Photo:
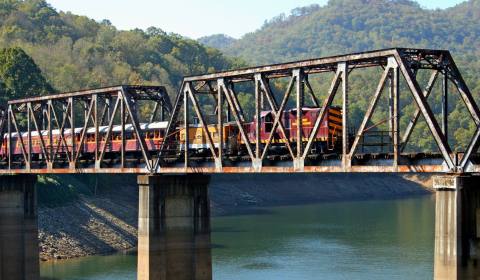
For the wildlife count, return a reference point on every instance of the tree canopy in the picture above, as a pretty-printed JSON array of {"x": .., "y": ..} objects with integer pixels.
[
  {"x": 75, "y": 52},
  {"x": 20, "y": 76},
  {"x": 347, "y": 26}
]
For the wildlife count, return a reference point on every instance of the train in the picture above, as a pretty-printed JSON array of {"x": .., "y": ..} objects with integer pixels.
[{"x": 327, "y": 139}]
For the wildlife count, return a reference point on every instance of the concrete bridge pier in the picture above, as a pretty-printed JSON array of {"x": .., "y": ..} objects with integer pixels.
[
  {"x": 174, "y": 228},
  {"x": 18, "y": 228},
  {"x": 457, "y": 227}
]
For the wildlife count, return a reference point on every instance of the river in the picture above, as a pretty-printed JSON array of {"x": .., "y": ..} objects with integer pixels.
[{"x": 388, "y": 239}]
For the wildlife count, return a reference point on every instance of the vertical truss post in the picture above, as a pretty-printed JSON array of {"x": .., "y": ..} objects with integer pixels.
[
  {"x": 50, "y": 135},
  {"x": 346, "y": 160},
  {"x": 122, "y": 132},
  {"x": 9, "y": 143},
  {"x": 390, "y": 104},
  {"x": 218, "y": 161},
  {"x": 185, "y": 123},
  {"x": 72, "y": 132},
  {"x": 299, "y": 90},
  {"x": 445, "y": 104},
  {"x": 96, "y": 124},
  {"x": 257, "y": 162},
  {"x": 395, "y": 109},
  {"x": 29, "y": 138}
]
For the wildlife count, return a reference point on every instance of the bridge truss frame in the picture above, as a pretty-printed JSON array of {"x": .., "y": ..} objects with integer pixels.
[
  {"x": 103, "y": 109},
  {"x": 118, "y": 106},
  {"x": 395, "y": 62}
]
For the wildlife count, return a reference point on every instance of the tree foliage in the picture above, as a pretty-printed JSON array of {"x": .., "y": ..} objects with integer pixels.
[
  {"x": 76, "y": 52},
  {"x": 20, "y": 76},
  {"x": 347, "y": 26}
]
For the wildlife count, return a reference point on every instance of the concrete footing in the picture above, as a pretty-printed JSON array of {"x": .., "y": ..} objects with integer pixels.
[
  {"x": 457, "y": 227},
  {"x": 18, "y": 228},
  {"x": 174, "y": 228}
]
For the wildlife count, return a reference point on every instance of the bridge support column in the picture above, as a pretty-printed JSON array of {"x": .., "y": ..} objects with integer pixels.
[
  {"x": 19, "y": 252},
  {"x": 457, "y": 227},
  {"x": 174, "y": 228}
]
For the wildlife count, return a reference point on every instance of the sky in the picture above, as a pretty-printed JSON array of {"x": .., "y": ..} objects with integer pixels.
[{"x": 196, "y": 18}]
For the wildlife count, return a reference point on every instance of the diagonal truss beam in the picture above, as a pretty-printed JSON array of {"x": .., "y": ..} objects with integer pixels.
[
  {"x": 61, "y": 134},
  {"x": 19, "y": 136},
  {"x": 109, "y": 130},
  {"x": 40, "y": 135},
  {"x": 239, "y": 119},
  {"x": 277, "y": 112},
  {"x": 413, "y": 122},
  {"x": 370, "y": 111},
  {"x": 191, "y": 93},
  {"x": 84, "y": 129},
  {"x": 427, "y": 113},
  {"x": 132, "y": 113},
  {"x": 326, "y": 103}
]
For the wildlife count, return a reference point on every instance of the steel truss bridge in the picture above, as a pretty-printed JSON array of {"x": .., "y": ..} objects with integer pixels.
[{"x": 122, "y": 108}]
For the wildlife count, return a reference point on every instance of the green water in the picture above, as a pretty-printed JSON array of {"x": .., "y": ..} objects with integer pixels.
[{"x": 390, "y": 239}]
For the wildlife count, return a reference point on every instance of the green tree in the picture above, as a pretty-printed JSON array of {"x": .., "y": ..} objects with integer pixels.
[{"x": 20, "y": 77}]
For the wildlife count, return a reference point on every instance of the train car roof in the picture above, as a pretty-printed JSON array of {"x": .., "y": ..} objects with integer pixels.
[{"x": 101, "y": 129}]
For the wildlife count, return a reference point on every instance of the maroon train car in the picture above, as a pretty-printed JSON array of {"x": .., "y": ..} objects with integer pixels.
[{"x": 326, "y": 138}]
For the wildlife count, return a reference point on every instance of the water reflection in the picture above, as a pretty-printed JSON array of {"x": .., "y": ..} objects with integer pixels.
[
  {"x": 347, "y": 240},
  {"x": 174, "y": 229}
]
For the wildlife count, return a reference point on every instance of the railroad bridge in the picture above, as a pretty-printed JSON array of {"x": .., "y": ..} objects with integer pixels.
[{"x": 297, "y": 121}]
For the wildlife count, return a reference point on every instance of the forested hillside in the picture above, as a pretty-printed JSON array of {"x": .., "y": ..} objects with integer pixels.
[
  {"x": 76, "y": 52},
  {"x": 344, "y": 26},
  {"x": 20, "y": 76}
]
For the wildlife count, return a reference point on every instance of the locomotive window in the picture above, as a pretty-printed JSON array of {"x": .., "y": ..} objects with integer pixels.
[{"x": 268, "y": 122}]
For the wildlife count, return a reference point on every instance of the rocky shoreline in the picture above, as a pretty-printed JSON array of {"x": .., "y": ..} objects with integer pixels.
[{"x": 106, "y": 222}]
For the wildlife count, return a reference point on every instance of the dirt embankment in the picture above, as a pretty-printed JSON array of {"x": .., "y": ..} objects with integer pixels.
[{"x": 106, "y": 222}]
